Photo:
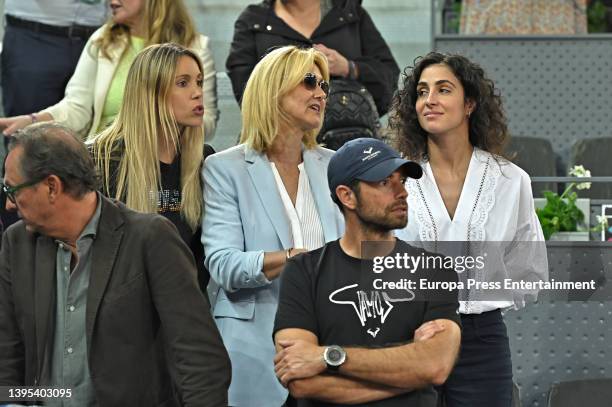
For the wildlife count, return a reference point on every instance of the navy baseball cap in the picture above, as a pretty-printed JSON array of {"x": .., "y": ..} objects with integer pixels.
[{"x": 366, "y": 159}]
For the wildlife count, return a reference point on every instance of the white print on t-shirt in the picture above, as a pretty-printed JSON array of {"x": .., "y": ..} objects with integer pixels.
[
  {"x": 374, "y": 332},
  {"x": 376, "y": 304}
]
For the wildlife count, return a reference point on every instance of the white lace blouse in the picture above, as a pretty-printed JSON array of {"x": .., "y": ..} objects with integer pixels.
[{"x": 496, "y": 204}]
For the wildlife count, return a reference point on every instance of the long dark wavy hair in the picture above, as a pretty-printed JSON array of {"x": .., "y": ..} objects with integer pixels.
[{"x": 488, "y": 129}]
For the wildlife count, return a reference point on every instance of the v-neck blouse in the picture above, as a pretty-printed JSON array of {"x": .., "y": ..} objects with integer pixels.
[
  {"x": 468, "y": 210},
  {"x": 306, "y": 228},
  {"x": 503, "y": 212}
]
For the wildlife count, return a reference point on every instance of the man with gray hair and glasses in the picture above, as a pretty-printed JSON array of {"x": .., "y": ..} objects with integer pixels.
[{"x": 96, "y": 298}]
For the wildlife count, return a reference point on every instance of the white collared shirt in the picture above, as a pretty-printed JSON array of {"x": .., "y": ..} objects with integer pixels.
[
  {"x": 306, "y": 227},
  {"x": 504, "y": 212}
]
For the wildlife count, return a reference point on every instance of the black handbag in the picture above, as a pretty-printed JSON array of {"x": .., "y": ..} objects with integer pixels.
[{"x": 351, "y": 113}]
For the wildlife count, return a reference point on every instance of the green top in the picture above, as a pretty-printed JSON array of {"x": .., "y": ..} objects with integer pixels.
[{"x": 114, "y": 97}]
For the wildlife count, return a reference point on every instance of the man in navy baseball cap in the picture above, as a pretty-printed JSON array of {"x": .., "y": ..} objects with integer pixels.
[
  {"x": 348, "y": 321},
  {"x": 367, "y": 159}
]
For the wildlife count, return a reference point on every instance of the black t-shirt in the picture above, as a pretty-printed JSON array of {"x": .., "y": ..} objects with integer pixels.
[
  {"x": 169, "y": 205},
  {"x": 170, "y": 197},
  {"x": 335, "y": 296},
  {"x": 168, "y": 201}
]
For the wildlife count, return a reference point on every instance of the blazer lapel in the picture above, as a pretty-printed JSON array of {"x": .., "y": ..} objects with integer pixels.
[
  {"x": 316, "y": 169},
  {"x": 262, "y": 177},
  {"x": 103, "y": 256},
  {"x": 44, "y": 296}
]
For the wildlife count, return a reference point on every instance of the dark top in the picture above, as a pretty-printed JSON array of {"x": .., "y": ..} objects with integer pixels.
[
  {"x": 169, "y": 205},
  {"x": 347, "y": 28},
  {"x": 145, "y": 315},
  {"x": 333, "y": 296}
]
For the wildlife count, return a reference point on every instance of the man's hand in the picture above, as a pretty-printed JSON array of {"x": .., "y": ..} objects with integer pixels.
[
  {"x": 428, "y": 330},
  {"x": 338, "y": 64},
  {"x": 298, "y": 359}
]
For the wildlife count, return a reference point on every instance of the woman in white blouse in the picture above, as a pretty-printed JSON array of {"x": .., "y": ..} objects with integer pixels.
[
  {"x": 266, "y": 200},
  {"x": 451, "y": 119}
]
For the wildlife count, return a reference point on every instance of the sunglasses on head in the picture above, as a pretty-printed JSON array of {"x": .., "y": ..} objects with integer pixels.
[{"x": 311, "y": 82}]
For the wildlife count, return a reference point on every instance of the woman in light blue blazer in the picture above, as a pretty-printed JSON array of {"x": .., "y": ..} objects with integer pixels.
[{"x": 266, "y": 200}]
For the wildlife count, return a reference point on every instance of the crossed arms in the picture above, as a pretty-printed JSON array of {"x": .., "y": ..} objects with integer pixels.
[{"x": 368, "y": 374}]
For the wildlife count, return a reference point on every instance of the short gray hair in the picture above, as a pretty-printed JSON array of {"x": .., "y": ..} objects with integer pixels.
[{"x": 52, "y": 149}]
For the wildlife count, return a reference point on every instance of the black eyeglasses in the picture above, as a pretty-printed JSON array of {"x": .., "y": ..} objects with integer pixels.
[
  {"x": 11, "y": 191},
  {"x": 311, "y": 82}
]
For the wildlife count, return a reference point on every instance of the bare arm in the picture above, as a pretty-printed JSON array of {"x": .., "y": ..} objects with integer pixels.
[
  {"x": 274, "y": 262},
  {"x": 412, "y": 365},
  {"x": 341, "y": 389},
  {"x": 319, "y": 385},
  {"x": 428, "y": 360}
]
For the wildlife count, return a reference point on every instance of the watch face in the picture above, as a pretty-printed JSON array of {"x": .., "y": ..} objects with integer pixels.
[{"x": 334, "y": 355}]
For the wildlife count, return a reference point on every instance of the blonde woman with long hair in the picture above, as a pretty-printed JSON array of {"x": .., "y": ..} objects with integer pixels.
[
  {"x": 265, "y": 201},
  {"x": 151, "y": 156},
  {"x": 95, "y": 91}
]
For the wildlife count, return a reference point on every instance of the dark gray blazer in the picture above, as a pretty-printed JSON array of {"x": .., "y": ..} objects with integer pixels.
[{"x": 146, "y": 321}]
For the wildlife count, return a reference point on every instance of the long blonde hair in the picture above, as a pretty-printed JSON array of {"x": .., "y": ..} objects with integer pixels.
[
  {"x": 164, "y": 21},
  {"x": 277, "y": 74},
  {"x": 132, "y": 139}
]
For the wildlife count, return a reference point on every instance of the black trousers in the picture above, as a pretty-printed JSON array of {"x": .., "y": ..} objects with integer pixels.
[
  {"x": 36, "y": 68},
  {"x": 483, "y": 374}
]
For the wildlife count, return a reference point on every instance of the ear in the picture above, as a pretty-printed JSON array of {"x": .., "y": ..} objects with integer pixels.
[
  {"x": 346, "y": 196},
  {"x": 470, "y": 106},
  {"x": 55, "y": 186}
]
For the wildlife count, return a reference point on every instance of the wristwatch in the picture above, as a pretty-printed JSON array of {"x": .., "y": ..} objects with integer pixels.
[{"x": 334, "y": 356}]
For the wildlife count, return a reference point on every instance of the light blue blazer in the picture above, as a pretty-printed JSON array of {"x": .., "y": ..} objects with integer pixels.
[{"x": 244, "y": 217}]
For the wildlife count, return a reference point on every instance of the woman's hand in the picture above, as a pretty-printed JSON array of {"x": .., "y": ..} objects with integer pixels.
[
  {"x": 294, "y": 251},
  {"x": 338, "y": 64},
  {"x": 274, "y": 262},
  {"x": 12, "y": 124}
]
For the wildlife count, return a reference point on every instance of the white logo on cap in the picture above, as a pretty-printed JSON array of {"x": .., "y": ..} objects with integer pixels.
[{"x": 370, "y": 154}]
